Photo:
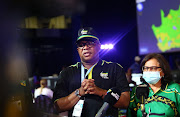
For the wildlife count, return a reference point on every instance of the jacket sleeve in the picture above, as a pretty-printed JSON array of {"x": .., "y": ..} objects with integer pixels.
[{"x": 132, "y": 109}]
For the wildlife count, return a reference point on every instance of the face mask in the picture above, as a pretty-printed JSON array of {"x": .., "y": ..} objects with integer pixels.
[{"x": 152, "y": 77}]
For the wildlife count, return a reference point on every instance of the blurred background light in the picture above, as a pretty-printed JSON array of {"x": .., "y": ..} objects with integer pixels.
[
  {"x": 139, "y": 7},
  {"x": 107, "y": 46}
]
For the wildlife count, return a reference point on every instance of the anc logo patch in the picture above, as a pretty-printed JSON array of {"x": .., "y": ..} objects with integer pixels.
[
  {"x": 23, "y": 83},
  {"x": 84, "y": 32},
  {"x": 104, "y": 75}
]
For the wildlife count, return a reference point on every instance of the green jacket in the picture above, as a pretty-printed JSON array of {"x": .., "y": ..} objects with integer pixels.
[{"x": 163, "y": 103}]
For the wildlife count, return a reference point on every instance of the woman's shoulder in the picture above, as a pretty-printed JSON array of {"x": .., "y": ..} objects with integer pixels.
[
  {"x": 38, "y": 89},
  {"x": 47, "y": 89},
  {"x": 174, "y": 85}
]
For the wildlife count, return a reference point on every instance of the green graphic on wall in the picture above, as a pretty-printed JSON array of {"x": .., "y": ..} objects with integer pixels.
[{"x": 168, "y": 33}]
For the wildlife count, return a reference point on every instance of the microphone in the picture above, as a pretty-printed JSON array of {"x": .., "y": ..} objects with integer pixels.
[
  {"x": 110, "y": 98},
  {"x": 142, "y": 92}
]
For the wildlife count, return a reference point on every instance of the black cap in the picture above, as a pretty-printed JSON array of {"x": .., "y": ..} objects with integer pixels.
[{"x": 87, "y": 33}]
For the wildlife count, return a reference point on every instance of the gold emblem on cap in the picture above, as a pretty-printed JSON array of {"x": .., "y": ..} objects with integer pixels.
[{"x": 84, "y": 31}]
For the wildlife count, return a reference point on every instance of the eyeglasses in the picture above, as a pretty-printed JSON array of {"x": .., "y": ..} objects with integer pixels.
[
  {"x": 90, "y": 44},
  {"x": 153, "y": 68}
]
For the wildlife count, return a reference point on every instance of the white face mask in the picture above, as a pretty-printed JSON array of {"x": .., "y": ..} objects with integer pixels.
[{"x": 151, "y": 77}]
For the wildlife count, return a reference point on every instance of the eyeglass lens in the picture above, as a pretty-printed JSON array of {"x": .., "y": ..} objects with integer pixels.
[
  {"x": 89, "y": 44},
  {"x": 153, "y": 68}
]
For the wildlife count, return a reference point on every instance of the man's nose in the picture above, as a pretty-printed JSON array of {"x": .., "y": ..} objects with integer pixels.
[{"x": 85, "y": 46}]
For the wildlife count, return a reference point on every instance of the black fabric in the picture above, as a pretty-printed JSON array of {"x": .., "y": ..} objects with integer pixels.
[
  {"x": 70, "y": 80},
  {"x": 112, "y": 96},
  {"x": 44, "y": 104}
]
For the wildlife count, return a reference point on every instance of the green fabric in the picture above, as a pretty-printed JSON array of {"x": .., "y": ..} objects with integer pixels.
[{"x": 164, "y": 102}]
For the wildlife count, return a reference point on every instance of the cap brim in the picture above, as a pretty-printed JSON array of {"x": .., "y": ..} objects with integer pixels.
[{"x": 87, "y": 38}]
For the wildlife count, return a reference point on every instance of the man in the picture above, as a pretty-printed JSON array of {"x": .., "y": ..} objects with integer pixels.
[
  {"x": 86, "y": 83},
  {"x": 134, "y": 72},
  {"x": 135, "y": 67}
]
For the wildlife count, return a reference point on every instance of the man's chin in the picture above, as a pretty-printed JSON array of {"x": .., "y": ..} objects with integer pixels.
[{"x": 87, "y": 61}]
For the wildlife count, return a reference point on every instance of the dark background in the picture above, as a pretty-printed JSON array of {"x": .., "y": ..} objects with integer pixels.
[
  {"x": 151, "y": 15},
  {"x": 45, "y": 51},
  {"x": 48, "y": 50}
]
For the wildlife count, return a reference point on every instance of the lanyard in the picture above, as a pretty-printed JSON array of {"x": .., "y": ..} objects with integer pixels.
[{"x": 82, "y": 71}]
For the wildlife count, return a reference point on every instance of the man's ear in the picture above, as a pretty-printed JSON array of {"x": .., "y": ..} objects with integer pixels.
[{"x": 99, "y": 46}]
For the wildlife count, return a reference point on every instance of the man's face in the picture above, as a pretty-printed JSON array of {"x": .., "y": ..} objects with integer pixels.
[{"x": 88, "y": 51}]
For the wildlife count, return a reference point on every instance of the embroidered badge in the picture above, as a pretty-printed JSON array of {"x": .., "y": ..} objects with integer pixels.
[
  {"x": 84, "y": 32},
  {"x": 104, "y": 75},
  {"x": 23, "y": 83}
]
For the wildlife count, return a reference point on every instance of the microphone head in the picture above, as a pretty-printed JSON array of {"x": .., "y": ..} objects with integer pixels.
[
  {"x": 142, "y": 90},
  {"x": 112, "y": 96}
]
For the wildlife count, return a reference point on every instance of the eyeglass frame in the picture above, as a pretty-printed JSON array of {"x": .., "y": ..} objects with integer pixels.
[
  {"x": 93, "y": 43},
  {"x": 152, "y": 68}
]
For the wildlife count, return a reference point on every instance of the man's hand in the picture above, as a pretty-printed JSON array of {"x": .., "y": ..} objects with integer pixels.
[
  {"x": 86, "y": 84},
  {"x": 89, "y": 87}
]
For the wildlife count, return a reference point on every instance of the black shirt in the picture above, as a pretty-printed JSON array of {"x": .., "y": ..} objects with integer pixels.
[{"x": 105, "y": 74}]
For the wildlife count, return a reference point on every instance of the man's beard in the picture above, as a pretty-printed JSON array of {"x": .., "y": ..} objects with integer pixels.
[{"x": 93, "y": 60}]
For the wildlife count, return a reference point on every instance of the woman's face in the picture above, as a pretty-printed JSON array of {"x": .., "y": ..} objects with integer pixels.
[{"x": 153, "y": 65}]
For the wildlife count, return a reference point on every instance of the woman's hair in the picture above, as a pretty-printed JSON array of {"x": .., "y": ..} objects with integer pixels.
[
  {"x": 163, "y": 64},
  {"x": 43, "y": 83}
]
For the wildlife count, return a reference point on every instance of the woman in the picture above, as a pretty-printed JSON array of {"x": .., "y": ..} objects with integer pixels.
[
  {"x": 43, "y": 90},
  {"x": 163, "y": 99}
]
